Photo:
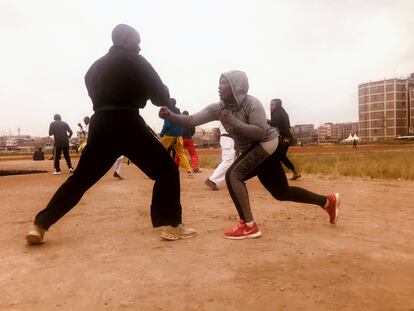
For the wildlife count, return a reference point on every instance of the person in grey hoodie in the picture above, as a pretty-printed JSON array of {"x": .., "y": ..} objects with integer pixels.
[{"x": 244, "y": 118}]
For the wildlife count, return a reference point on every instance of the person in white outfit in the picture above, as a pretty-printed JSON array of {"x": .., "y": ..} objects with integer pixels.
[
  {"x": 117, "y": 166},
  {"x": 228, "y": 156}
]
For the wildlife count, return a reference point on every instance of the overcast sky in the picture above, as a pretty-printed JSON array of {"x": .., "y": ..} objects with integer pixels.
[{"x": 310, "y": 53}]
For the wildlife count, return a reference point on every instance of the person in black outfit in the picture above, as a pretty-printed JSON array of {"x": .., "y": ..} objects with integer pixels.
[
  {"x": 61, "y": 133},
  {"x": 38, "y": 155},
  {"x": 119, "y": 84},
  {"x": 280, "y": 120}
]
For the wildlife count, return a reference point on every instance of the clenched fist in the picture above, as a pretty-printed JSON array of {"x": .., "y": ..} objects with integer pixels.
[{"x": 164, "y": 113}]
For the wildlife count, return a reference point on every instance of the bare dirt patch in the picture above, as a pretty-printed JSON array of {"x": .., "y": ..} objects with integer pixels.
[{"x": 104, "y": 254}]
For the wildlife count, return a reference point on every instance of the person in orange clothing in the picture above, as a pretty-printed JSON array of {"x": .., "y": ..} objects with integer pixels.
[
  {"x": 171, "y": 137},
  {"x": 188, "y": 143}
]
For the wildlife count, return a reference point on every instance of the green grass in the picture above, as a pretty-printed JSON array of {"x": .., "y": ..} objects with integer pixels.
[
  {"x": 381, "y": 165},
  {"x": 209, "y": 161}
]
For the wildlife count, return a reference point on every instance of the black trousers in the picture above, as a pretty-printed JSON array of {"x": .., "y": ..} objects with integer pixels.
[
  {"x": 283, "y": 155},
  {"x": 269, "y": 170},
  {"x": 56, "y": 157},
  {"x": 112, "y": 134}
]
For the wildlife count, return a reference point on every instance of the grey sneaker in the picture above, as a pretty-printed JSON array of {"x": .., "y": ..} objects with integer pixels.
[
  {"x": 296, "y": 176},
  {"x": 180, "y": 232},
  {"x": 211, "y": 184},
  {"x": 36, "y": 235}
]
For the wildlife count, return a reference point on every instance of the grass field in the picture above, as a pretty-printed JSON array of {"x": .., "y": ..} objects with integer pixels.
[
  {"x": 392, "y": 161},
  {"x": 382, "y": 164}
]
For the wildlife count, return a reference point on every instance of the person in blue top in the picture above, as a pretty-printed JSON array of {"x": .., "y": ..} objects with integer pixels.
[{"x": 171, "y": 137}]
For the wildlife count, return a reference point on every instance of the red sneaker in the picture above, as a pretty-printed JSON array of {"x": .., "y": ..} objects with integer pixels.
[
  {"x": 243, "y": 231},
  {"x": 333, "y": 207}
]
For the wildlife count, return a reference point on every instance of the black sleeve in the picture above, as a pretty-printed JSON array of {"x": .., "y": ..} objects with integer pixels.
[
  {"x": 157, "y": 91},
  {"x": 284, "y": 124},
  {"x": 51, "y": 129}
]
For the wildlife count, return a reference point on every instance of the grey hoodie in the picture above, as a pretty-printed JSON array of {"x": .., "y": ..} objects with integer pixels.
[{"x": 249, "y": 126}]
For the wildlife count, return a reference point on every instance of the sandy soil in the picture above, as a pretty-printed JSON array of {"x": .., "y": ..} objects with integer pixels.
[{"x": 104, "y": 254}]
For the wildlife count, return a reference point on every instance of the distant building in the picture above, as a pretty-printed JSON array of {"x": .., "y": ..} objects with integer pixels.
[
  {"x": 24, "y": 143},
  {"x": 334, "y": 132},
  {"x": 304, "y": 134},
  {"x": 386, "y": 109}
]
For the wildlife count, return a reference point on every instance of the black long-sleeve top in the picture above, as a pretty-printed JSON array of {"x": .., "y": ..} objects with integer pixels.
[
  {"x": 61, "y": 133},
  {"x": 280, "y": 120},
  {"x": 122, "y": 79}
]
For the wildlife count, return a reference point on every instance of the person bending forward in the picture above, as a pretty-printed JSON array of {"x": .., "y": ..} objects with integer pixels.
[{"x": 244, "y": 118}]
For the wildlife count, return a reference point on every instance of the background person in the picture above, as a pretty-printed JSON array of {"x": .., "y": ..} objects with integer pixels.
[
  {"x": 85, "y": 131},
  {"x": 38, "y": 155},
  {"x": 171, "y": 138},
  {"x": 117, "y": 167},
  {"x": 280, "y": 120},
  {"x": 61, "y": 133},
  {"x": 228, "y": 154},
  {"x": 188, "y": 143}
]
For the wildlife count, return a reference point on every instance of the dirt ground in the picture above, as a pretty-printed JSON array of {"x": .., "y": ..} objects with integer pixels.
[{"x": 104, "y": 254}]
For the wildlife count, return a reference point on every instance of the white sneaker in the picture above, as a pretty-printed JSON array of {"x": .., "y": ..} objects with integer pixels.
[
  {"x": 71, "y": 170},
  {"x": 36, "y": 235},
  {"x": 56, "y": 173},
  {"x": 180, "y": 232}
]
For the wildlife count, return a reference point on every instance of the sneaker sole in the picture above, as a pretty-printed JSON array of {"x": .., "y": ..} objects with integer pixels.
[
  {"x": 337, "y": 203},
  {"x": 249, "y": 236},
  {"x": 174, "y": 237},
  {"x": 34, "y": 239}
]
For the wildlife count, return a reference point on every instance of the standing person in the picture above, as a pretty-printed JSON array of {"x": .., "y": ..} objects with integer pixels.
[
  {"x": 244, "y": 119},
  {"x": 85, "y": 131},
  {"x": 228, "y": 156},
  {"x": 119, "y": 84},
  {"x": 171, "y": 138},
  {"x": 354, "y": 144},
  {"x": 117, "y": 168},
  {"x": 188, "y": 144},
  {"x": 61, "y": 133},
  {"x": 280, "y": 120}
]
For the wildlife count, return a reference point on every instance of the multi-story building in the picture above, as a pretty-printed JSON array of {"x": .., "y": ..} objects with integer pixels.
[
  {"x": 386, "y": 108},
  {"x": 304, "y": 134},
  {"x": 336, "y": 131},
  {"x": 325, "y": 131}
]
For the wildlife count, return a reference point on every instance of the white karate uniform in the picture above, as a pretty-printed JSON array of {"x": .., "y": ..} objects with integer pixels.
[
  {"x": 228, "y": 156},
  {"x": 117, "y": 164}
]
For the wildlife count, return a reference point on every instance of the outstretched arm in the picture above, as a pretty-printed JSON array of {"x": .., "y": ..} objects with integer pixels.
[{"x": 204, "y": 116}]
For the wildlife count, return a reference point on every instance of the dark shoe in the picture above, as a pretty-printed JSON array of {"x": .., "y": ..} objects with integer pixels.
[
  {"x": 296, "y": 176},
  {"x": 211, "y": 184},
  {"x": 116, "y": 175},
  {"x": 196, "y": 170}
]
